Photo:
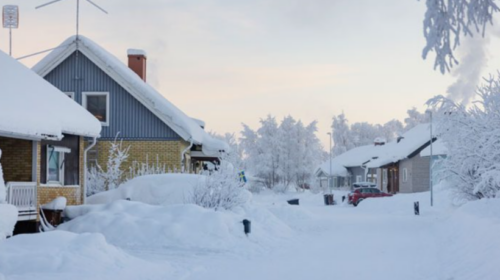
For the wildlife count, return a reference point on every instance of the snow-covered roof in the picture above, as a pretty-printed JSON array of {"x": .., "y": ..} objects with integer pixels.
[
  {"x": 438, "y": 149},
  {"x": 409, "y": 143},
  {"x": 353, "y": 158},
  {"x": 182, "y": 124},
  {"x": 31, "y": 107}
]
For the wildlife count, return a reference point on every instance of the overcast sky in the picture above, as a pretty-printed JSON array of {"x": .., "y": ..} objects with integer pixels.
[{"x": 235, "y": 61}]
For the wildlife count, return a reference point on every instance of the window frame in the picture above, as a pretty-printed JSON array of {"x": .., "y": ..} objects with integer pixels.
[
  {"x": 359, "y": 178},
  {"x": 405, "y": 175},
  {"x": 97, "y": 93},
  {"x": 62, "y": 151}
]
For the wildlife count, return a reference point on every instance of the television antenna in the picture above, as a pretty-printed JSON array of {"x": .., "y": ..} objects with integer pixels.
[
  {"x": 77, "y": 12},
  {"x": 10, "y": 19}
]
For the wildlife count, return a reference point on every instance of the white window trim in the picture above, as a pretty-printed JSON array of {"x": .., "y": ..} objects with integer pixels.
[
  {"x": 358, "y": 178},
  {"x": 70, "y": 94},
  {"x": 84, "y": 103},
  {"x": 405, "y": 175},
  {"x": 61, "y": 151}
]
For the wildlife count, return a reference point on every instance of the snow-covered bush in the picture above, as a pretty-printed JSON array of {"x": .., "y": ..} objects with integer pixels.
[
  {"x": 99, "y": 179},
  {"x": 472, "y": 138},
  {"x": 446, "y": 20},
  {"x": 145, "y": 168},
  {"x": 222, "y": 189}
]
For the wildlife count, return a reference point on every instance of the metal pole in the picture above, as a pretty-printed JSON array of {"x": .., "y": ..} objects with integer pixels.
[
  {"x": 430, "y": 167},
  {"x": 10, "y": 41},
  {"x": 331, "y": 175}
]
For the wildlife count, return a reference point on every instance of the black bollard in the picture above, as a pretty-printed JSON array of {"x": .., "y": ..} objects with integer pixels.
[
  {"x": 343, "y": 198},
  {"x": 247, "y": 226},
  {"x": 416, "y": 206}
]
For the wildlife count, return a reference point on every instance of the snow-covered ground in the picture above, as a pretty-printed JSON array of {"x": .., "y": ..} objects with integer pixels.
[{"x": 379, "y": 239}]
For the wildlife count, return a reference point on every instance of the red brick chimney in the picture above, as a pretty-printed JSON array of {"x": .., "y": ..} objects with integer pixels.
[{"x": 137, "y": 62}]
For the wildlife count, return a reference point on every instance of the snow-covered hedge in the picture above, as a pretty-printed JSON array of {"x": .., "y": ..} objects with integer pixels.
[{"x": 165, "y": 189}]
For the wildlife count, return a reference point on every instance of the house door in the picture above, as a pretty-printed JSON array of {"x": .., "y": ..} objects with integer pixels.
[{"x": 393, "y": 180}]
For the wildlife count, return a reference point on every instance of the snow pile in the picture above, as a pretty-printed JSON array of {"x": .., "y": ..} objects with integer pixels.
[
  {"x": 164, "y": 189},
  {"x": 8, "y": 213},
  {"x": 24, "y": 89},
  {"x": 135, "y": 225},
  {"x": 470, "y": 241},
  {"x": 65, "y": 255},
  {"x": 186, "y": 127},
  {"x": 56, "y": 204}
]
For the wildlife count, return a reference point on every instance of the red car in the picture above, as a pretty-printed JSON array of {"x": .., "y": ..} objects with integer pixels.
[{"x": 358, "y": 195}]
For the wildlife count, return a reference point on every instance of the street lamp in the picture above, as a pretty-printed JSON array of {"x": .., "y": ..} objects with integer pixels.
[
  {"x": 330, "y": 181},
  {"x": 430, "y": 161}
]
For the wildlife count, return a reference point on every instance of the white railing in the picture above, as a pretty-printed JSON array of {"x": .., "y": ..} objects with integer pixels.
[{"x": 23, "y": 196}]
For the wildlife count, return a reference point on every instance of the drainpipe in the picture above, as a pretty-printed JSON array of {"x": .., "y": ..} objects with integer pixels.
[
  {"x": 85, "y": 169},
  {"x": 183, "y": 153}
]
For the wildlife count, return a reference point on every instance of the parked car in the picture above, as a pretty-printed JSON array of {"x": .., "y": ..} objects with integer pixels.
[{"x": 358, "y": 195}]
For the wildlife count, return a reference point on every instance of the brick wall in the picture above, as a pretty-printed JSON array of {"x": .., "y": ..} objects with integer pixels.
[
  {"x": 168, "y": 152},
  {"x": 16, "y": 159}
]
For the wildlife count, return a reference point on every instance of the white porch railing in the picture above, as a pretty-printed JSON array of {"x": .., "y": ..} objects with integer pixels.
[{"x": 23, "y": 196}]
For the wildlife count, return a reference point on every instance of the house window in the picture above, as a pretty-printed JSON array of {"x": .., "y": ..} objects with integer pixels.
[
  {"x": 55, "y": 164},
  {"x": 358, "y": 178},
  {"x": 405, "y": 175},
  {"x": 97, "y": 103}
]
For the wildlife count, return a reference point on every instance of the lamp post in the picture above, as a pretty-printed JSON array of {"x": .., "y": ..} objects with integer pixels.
[
  {"x": 330, "y": 181},
  {"x": 430, "y": 161}
]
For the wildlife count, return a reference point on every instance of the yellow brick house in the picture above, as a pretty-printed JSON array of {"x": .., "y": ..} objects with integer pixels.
[{"x": 41, "y": 142}]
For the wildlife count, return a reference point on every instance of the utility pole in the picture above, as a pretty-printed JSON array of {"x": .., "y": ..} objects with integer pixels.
[
  {"x": 330, "y": 182},
  {"x": 431, "y": 187}
]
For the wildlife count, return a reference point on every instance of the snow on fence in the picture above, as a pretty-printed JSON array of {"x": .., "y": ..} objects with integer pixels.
[{"x": 23, "y": 196}]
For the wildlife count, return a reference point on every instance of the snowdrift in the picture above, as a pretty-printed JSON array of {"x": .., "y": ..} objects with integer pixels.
[
  {"x": 65, "y": 255},
  {"x": 8, "y": 219},
  {"x": 470, "y": 241},
  {"x": 133, "y": 225},
  {"x": 165, "y": 189}
]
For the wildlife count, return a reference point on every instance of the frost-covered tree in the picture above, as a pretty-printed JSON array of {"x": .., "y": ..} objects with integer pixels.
[
  {"x": 415, "y": 118},
  {"x": 282, "y": 155},
  {"x": 472, "y": 137},
  {"x": 446, "y": 20},
  {"x": 364, "y": 133},
  {"x": 100, "y": 179},
  {"x": 341, "y": 134},
  {"x": 222, "y": 189}
]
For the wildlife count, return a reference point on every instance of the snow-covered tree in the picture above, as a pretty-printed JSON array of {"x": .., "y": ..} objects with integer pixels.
[
  {"x": 342, "y": 138},
  {"x": 472, "y": 137},
  {"x": 99, "y": 179},
  {"x": 222, "y": 189},
  {"x": 446, "y": 20},
  {"x": 282, "y": 155},
  {"x": 415, "y": 118},
  {"x": 364, "y": 133}
]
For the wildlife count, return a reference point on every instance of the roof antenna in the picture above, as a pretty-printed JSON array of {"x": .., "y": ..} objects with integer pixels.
[
  {"x": 10, "y": 16},
  {"x": 77, "y": 12},
  {"x": 77, "y": 22}
]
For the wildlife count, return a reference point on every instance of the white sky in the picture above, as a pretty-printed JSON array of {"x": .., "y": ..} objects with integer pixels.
[{"x": 230, "y": 62}]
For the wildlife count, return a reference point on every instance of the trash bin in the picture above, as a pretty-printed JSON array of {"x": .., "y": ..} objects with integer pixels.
[
  {"x": 328, "y": 199},
  {"x": 293, "y": 202}
]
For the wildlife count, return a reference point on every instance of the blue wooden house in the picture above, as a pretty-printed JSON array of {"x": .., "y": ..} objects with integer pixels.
[{"x": 126, "y": 105}]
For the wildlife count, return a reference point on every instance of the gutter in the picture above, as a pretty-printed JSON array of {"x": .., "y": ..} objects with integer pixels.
[
  {"x": 85, "y": 169},
  {"x": 183, "y": 153}
]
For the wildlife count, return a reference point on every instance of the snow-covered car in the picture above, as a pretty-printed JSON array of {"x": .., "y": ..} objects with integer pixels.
[{"x": 360, "y": 194}]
